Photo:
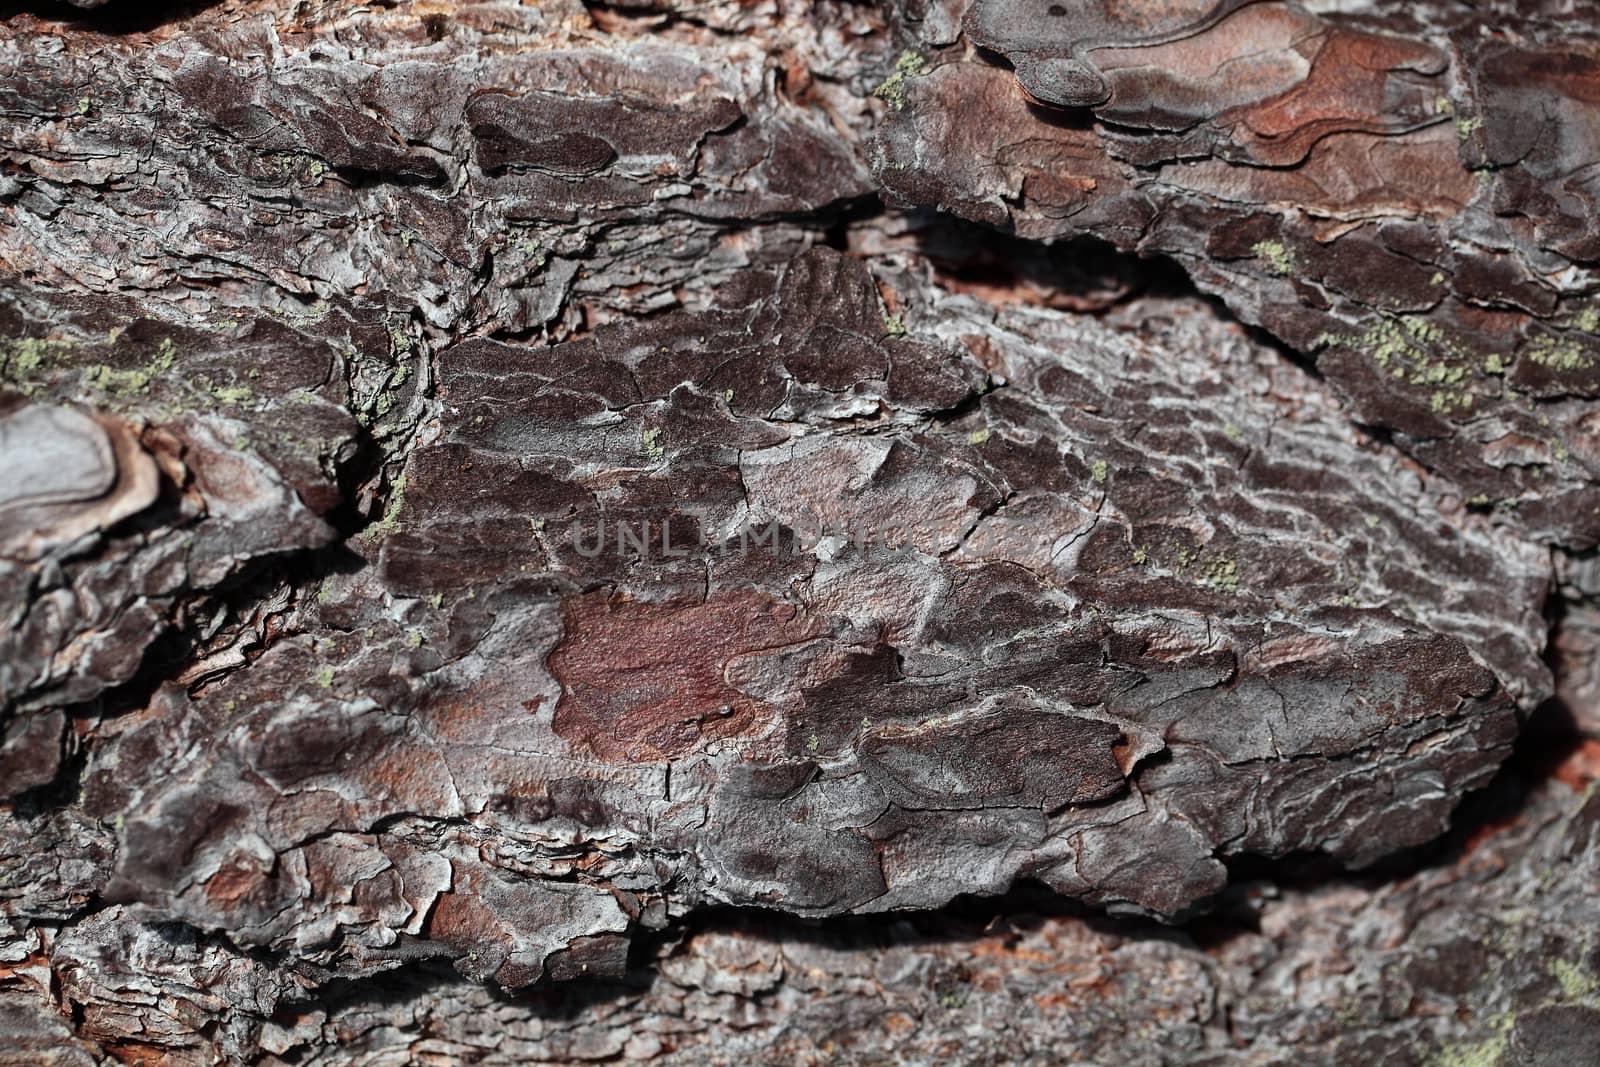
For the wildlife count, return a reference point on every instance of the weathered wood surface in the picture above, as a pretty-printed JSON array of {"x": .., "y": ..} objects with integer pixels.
[{"x": 492, "y": 500}]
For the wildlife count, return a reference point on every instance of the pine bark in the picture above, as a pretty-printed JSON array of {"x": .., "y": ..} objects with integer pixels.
[{"x": 735, "y": 532}]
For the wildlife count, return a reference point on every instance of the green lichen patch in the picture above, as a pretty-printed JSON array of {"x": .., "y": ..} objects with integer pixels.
[
  {"x": 652, "y": 443},
  {"x": 1276, "y": 254},
  {"x": 23, "y": 358},
  {"x": 1486, "y": 1053},
  {"x": 1585, "y": 321},
  {"x": 135, "y": 381},
  {"x": 1448, "y": 401},
  {"x": 1575, "y": 982},
  {"x": 1221, "y": 572},
  {"x": 1209, "y": 567},
  {"x": 1417, "y": 352},
  {"x": 399, "y": 339},
  {"x": 391, "y": 510},
  {"x": 379, "y": 390},
  {"x": 27, "y": 364},
  {"x": 893, "y": 89},
  {"x": 1558, "y": 353}
]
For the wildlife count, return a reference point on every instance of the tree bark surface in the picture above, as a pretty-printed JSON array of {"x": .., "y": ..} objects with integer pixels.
[{"x": 668, "y": 533}]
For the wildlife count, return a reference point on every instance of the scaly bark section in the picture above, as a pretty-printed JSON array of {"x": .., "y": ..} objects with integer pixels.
[
  {"x": 955, "y": 600},
  {"x": 1404, "y": 193}
]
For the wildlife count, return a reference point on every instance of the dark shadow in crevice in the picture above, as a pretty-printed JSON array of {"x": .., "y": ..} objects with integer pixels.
[
  {"x": 1063, "y": 118},
  {"x": 427, "y": 977},
  {"x": 990, "y": 58},
  {"x": 1080, "y": 274},
  {"x": 115, "y": 18},
  {"x": 836, "y": 233}
]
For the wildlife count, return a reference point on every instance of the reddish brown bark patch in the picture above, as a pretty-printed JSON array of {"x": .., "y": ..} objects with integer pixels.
[{"x": 643, "y": 682}]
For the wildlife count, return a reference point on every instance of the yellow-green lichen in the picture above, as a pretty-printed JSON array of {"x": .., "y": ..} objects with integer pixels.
[
  {"x": 978, "y": 437},
  {"x": 324, "y": 677},
  {"x": 652, "y": 443},
  {"x": 1558, "y": 353},
  {"x": 1575, "y": 982},
  {"x": 535, "y": 251},
  {"x": 22, "y": 358},
  {"x": 26, "y": 355},
  {"x": 1483, "y": 1054},
  {"x": 391, "y": 511},
  {"x": 1416, "y": 351},
  {"x": 1486, "y": 1053},
  {"x": 1276, "y": 254},
  {"x": 1221, "y": 572},
  {"x": 893, "y": 326},
  {"x": 1101, "y": 470},
  {"x": 132, "y": 382},
  {"x": 1586, "y": 321},
  {"x": 399, "y": 338},
  {"x": 893, "y": 89}
]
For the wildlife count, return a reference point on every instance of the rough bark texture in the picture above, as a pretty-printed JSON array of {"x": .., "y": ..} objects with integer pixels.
[
  {"x": 1405, "y": 193},
  {"x": 519, "y": 528}
]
